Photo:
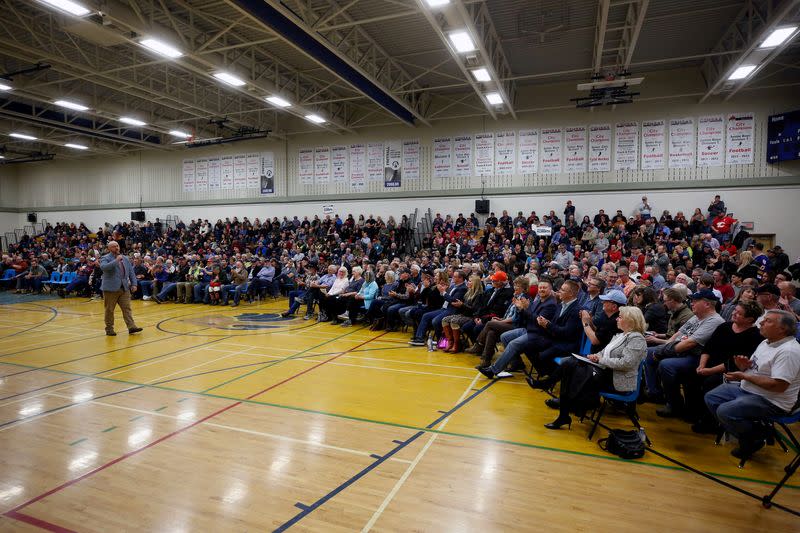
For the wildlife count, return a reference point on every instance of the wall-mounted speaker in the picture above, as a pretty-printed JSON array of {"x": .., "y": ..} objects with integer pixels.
[
  {"x": 482, "y": 207},
  {"x": 32, "y": 218},
  {"x": 138, "y": 216}
]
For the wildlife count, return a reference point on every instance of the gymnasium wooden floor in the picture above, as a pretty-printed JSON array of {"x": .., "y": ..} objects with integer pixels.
[{"x": 221, "y": 419}]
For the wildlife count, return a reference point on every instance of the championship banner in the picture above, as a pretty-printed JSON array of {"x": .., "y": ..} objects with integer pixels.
[
  {"x": 188, "y": 175},
  {"x": 681, "y": 143},
  {"x": 339, "y": 162},
  {"x": 267, "y": 173},
  {"x": 375, "y": 161},
  {"x": 214, "y": 174},
  {"x": 528, "y": 159},
  {"x": 710, "y": 141},
  {"x": 600, "y": 148},
  {"x": 443, "y": 157},
  {"x": 253, "y": 170},
  {"x": 392, "y": 161},
  {"x": 240, "y": 171},
  {"x": 201, "y": 175},
  {"x": 305, "y": 166},
  {"x": 551, "y": 151},
  {"x": 226, "y": 165},
  {"x": 653, "y": 145},
  {"x": 626, "y": 146},
  {"x": 505, "y": 153},
  {"x": 484, "y": 155},
  {"x": 358, "y": 166},
  {"x": 411, "y": 159},
  {"x": 575, "y": 141},
  {"x": 739, "y": 139},
  {"x": 462, "y": 153},
  {"x": 322, "y": 164}
]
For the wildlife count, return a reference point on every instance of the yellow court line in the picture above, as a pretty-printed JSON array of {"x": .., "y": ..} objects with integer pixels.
[
  {"x": 242, "y": 430},
  {"x": 400, "y": 482}
]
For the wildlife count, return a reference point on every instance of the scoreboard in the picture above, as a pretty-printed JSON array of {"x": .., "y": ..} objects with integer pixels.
[{"x": 783, "y": 137}]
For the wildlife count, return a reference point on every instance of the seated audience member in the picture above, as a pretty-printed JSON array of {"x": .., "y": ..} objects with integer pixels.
[
  {"x": 655, "y": 314},
  {"x": 486, "y": 342},
  {"x": 562, "y": 334},
  {"x": 400, "y": 296},
  {"x": 317, "y": 290},
  {"x": 261, "y": 277},
  {"x": 747, "y": 294},
  {"x": 237, "y": 285},
  {"x": 593, "y": 305},
  {"x": 494, "y": 304},
  {"x": 171, "y": 285},
  {"x": 768, "y": 296},
  {"x": 545, "y": 307},
  {"x": 738, "y": 337},
  {"x": 185, "y": 287},
  {"x": 376, "y": 313},
  {"x": 451, "y": 324},
  {"x": 678, "y": 313},
  {"x": 602, "y": 327},
  {"x": 668, "y": 363},
  {"x": 581, "y": 383},
  {"x": 765, "y": 385},
  {"x": 31, "y": 280},
  {"x": 297, "y": 296},
  {"x": 788, "y": 297},
  {"x": 427, "y": 299},
  {"x": 453, "y": 297},
  {"x": 363, "y": 299}
]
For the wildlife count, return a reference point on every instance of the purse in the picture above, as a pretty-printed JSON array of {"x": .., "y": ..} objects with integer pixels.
[{"x": 627, "y": 444}]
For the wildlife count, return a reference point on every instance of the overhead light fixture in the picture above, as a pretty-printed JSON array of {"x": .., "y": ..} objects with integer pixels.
[
  {"x": 277, "y": 101},
  {"x": 742, "y": 72},
  {"x": 71, "y": 105},
  {"x": 22, "y": 136},
  {"x": 181, "y": 134},
  {"x": 4, "y": 87},
  {"x": 73, "y": 8},
  {"x": 76, "y": 146},
  {"x": 481, "y": 74},
  {"x": 778, "y": 37},
  {"x": 2, "y": 157},
  {"x": 230, "y": 79},
  {"x": 494, "y": 98},
  {"x": 160, "y": 47},
  {"x": 437, "y": 3},
  {"x": 316, "y": 119},
  {"x": 132, "y": 121},
  {"x": 462, "y": 41}
]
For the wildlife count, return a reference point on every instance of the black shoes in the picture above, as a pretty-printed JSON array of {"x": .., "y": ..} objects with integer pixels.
[
  {"x": 487, "y": 371},
  {"x": 559, "y": 422},
  {"x": 134, "y": 330},
  {"x": 111, "y": 333},
  {"x": 540, "y": 384},
  {"x": 553, "y": 403}
]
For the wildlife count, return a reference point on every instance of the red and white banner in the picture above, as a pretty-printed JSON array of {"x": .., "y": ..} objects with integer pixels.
[
  {"x": 710, "y": 141},
  {"x": 600, "y": 148},
  {"x": 739, "y": 139}
]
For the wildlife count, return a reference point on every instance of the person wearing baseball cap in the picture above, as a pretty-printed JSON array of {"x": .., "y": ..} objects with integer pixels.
[
  {"x": 602, "y": 327},
  {"x": 668, "y": 365}
]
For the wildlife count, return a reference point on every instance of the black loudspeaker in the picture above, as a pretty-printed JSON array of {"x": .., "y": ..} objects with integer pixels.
[
  {"x": 32, "y": 218},
  {"x": 138, "y": 216},
  {"x": 482, "y": 207}
]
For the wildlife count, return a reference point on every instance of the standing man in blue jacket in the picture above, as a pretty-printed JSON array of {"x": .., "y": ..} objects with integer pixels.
[{"x": 118, "y": 283}]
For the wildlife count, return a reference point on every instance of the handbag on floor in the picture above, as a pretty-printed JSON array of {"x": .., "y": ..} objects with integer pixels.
[{"x": 628, "y": 444}]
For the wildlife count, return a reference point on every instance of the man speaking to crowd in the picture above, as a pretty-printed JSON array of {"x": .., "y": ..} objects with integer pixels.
[{"x": 118, "y": 283}]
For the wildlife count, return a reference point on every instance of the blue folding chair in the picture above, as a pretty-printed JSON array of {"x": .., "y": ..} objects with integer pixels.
[
  {"x": 790, "y": 468},
  {"x": 55, "y": 277},
  {"x": 626, "y": 398},
  {"x": 586, "y": 349},
  {"x": 8, "y": 276}
]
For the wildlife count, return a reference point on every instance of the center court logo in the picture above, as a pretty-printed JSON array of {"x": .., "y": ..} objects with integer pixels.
[{"x": 243, "y": 322}]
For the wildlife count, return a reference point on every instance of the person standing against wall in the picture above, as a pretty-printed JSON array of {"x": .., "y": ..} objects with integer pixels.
[{"x": 117, "y": 285}]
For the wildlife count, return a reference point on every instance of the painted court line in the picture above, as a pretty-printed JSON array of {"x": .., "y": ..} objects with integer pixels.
[
  {"x": 15, "y": 512},
  {"x": 234, "y": 428}
]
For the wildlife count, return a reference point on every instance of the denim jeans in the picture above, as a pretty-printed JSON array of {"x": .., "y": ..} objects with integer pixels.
[
  {"x": 738, "y": 410},
  {"x": 673, "y": 372},
  {"x": 515, "y": 347},
  {"x": 167, "y": 290},
  {"x": 433, "y": 318}
]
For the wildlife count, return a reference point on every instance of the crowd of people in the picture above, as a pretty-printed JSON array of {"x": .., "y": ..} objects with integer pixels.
[{"x": 701, "y": 310}]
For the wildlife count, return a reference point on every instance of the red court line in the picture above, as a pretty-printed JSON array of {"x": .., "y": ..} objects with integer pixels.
[{"x": 15, "y": 514}]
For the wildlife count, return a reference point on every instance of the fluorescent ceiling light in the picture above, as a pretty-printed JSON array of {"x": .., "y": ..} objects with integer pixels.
[
  {"x": 4, "y": 87},
  {"x": 278, "y": 101},
  {"x": 2, "y": 157},
  {"x": 494, "y": 98},
  {"x": 76, "y": 146},
  {"x": 160, "y": 47},
  {"x": 742, "y": 72},
  {"x": 73, "y": 8},
  {"x": 71, "y": 105},
  {"x": 316, "y": 119},
  {"x": 22, "y": 136},
  {"x": 462, "y": 41},
  {"x": 437, "y": 3},
  {"x": 481, "y": 74},
  {"x": 778, "y": 37},
  {"x": 181, "y": 134},
  {"x": 132, "y": 121},
  {"x": 230, "y": 79}
]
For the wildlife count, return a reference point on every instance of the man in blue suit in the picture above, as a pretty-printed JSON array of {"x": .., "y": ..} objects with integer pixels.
[
  {"x": 562, "y": 334},
  {"x": 537, "y": 316},
  {"x": 118, "y": 283}
]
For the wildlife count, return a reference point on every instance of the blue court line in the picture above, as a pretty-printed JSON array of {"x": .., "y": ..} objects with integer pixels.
[
  {"x": 380, "y": 459},
  {"x": 51, "y": 309}
]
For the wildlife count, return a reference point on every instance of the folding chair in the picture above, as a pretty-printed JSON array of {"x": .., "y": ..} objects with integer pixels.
[
  {"x": 8, "y": 276},
  {"x": 55, "y": 277},
  {"x": 628, "y": 398},
  {"x": 790, "y": 468}
]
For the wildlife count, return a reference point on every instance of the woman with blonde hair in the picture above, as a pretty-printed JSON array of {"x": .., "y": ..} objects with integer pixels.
[
  {"x": 617, "y": 370},
  {"x": 451, "y": 324},
  {"x": 747, "y": 269}
]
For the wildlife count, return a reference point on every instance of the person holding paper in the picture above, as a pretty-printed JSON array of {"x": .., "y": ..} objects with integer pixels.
[{"x": 615, "y": 369}]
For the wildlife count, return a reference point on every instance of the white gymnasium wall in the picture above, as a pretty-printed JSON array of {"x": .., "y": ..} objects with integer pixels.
[
  {"x": 155, "y": 177},
  {"x": 771, "y": 210}
]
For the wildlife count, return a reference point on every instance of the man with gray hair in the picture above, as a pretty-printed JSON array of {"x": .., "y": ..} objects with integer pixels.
[
  {"x": 117, "y": 285},
  {"x": 765, "y": 386}
]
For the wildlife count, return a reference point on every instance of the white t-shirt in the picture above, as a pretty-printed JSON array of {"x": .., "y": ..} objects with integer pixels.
[{"x": 778, "y": 360}]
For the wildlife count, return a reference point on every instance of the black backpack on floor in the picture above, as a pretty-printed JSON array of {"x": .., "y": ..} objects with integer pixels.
[{"x": 628, "y": 444}]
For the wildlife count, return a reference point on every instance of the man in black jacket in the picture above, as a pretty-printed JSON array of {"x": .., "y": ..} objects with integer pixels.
[
  {"x": 453, "y": 299},
  {"x": 495, "y": 304},
  {"x": 561, "y": 335}
]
